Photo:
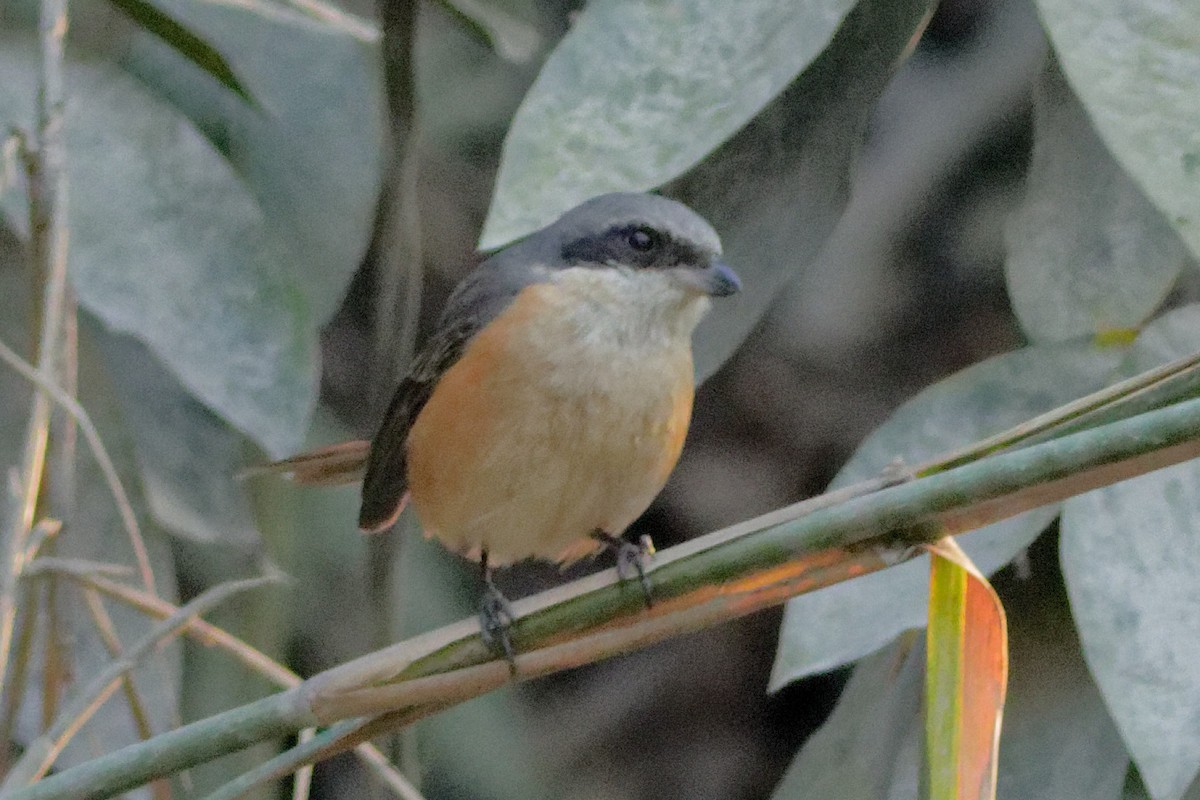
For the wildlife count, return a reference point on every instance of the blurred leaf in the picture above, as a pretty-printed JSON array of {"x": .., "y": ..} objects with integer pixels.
[
  {"x": 312, "y": 155},
  {"x": 1087, "y": 251},
  {"x": 1130, "y": 556},
  {"x": 966, "y": 677},
  {"x": 167, "y": 245},
  {"x": 312, "y": 534},
  {"x": 188, "y": 457},
  {"x": 776, "y": 190},
  {"x": 1136, "y": 67},
  {"x": 512, "y": 38},
  {"x": 189, "y": 45},
  {"x": 857, "y": 754},
  {"x": 1134, "y": 788},
  {"x": 834, "y": 626},
  {"x": 638, "y": 92},
  {"x": 1058, "y": 742}
]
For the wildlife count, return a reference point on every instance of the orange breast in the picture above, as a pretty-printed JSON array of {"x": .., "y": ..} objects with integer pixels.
[{"x": 536, "y": 436}]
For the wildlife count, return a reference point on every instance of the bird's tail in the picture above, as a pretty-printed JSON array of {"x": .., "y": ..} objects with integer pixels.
[{"x": 328, "y": 466}]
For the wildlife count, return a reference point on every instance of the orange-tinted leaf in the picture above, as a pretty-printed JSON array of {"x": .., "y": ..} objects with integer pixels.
[{"x": 966, "y": 677}]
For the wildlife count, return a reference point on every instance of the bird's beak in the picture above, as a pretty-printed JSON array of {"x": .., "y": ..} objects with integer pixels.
[{"x": 720, "y": 280}]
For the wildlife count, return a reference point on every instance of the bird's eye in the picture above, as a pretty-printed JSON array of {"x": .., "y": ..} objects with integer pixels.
[{"x": 643, "y": 240}]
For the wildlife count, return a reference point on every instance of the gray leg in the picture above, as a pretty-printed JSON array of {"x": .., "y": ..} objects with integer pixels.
[
  {"x": 495, "y": 616},
  {"x": 629, "y": 555}
]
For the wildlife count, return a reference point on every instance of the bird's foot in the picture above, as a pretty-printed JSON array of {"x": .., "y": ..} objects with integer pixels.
[
  {"x": 635, "y": 557},
  {"x": 495, "y": 619}
]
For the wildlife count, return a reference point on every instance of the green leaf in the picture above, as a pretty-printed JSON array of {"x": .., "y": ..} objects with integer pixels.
[
  {"x": 638, "y": 92},
  {"x": 512, "y": 38},
  {"x": 1058, "y": 742},
  {"x": 311, "y": 156},
  {"x": 834, "y": 626},
  {"x": 168, "y": 246},
  {"x": 1087, "y": 251},
  {"x": 1136, "y": 68},
  {"x": 1130, "y": 556},
  {"x": 189, "y": 45},
  {"x": 188, "y": 458},
  {"x": 966, "y": 677},
  {"x": 867, "y": 749},
  {"x": 776, "y": 190}
]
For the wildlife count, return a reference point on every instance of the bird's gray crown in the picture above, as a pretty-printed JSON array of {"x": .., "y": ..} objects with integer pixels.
[{"x": 628, "y": 211}]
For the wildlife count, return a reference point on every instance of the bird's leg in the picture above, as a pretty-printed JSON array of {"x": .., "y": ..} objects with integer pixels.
[
  {"x": 630, "y": 555},
  {"x": 495, "y": 616}
]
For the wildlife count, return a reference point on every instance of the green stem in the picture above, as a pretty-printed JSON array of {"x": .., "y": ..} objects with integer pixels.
[{"x": 705, "y": 582}]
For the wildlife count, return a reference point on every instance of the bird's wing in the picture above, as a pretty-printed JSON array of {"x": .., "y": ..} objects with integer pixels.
[{"x": 482, "y": 296}]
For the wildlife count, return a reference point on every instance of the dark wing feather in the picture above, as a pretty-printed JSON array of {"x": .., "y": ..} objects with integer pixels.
[
  {"x": 386, "y": 481},
  {"x": 481, "y": 297}
]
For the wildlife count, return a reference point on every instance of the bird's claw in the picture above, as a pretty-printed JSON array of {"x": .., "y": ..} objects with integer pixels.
[
  {"x": 495, "y": 619},
  {"x": 634, "y": 557}
]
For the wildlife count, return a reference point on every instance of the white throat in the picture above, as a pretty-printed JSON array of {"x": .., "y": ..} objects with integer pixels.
[{"x": 631, "y": 309}]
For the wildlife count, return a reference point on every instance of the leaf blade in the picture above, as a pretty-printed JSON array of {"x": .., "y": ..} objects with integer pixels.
[
  {"x": 1087, "y": 250},
  {"x": 1129, "y": 557},
  {"x": 1136, "y": 67},
  {"x": 594, "y": 119},
  {"x": 186, "y": 43},
  {"x": 966, "y": 677}
]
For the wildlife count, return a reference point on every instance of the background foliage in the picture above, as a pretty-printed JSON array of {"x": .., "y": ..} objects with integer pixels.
[{"x": 225, "y": 249}]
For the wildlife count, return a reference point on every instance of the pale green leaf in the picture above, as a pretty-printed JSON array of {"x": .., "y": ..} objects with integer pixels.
[
  {"x": 311, "y": 156},
  {"x": 1087, "y": 251},
  {"x": 866, "y": 750},
  {"x": 187, "y": 456},
  {"x": 168, "y": 246},
  {"x": 776, "y": 190},
  {"x": 639, "y": 92},
  {"x": 1058, "y": 741},
  {"x": 1130, "y": 556},
  {"x": 1136, "y": 67}
]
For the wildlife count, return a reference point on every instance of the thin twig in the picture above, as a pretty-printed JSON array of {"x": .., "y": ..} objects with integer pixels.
[
  {"x": 137, "y": 709},
  {"x": 15, "y": 688},
  {"x": 41, "y": 753},
  {"x": 48, "y": 254},
  {"x": 338, "y": 738},
  {"x": 91, "y": 575},
  {"x": 45, "y": 530},
  {"x": 1062, "y": 415},
  {"x": 73, "y": 567},
  {"x": 302, "y": 780},
  {"x": 10, "y": 155},
  {"x": 54, "y": 653},
  {"x": 103, "y": 460},
  {"x": 161, "y": 788}
]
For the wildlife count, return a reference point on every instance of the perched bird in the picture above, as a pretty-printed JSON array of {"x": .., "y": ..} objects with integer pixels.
[{"x": 549, "y": 406}]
